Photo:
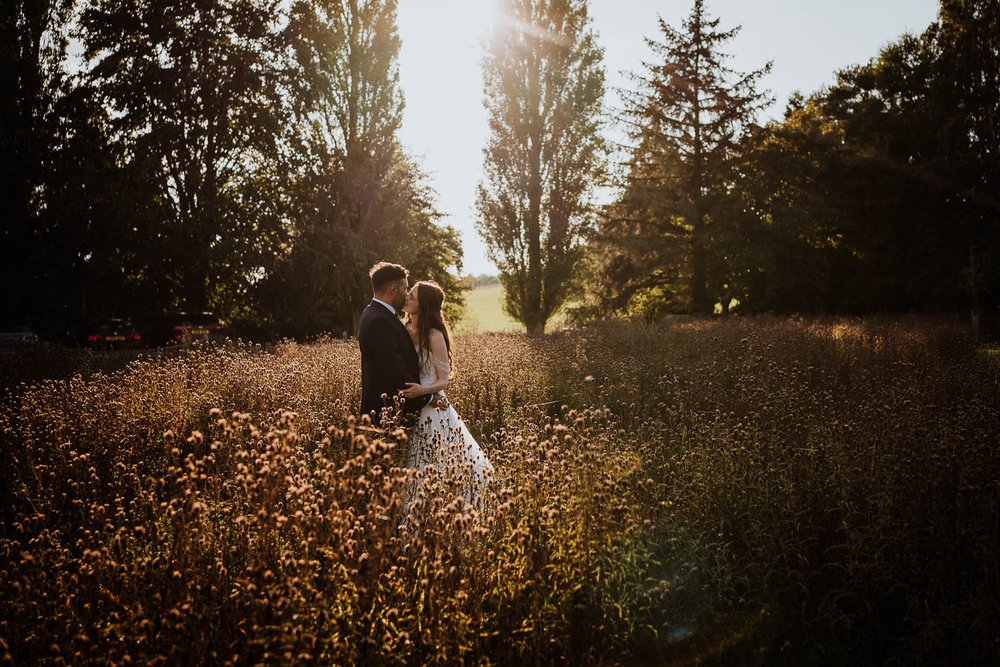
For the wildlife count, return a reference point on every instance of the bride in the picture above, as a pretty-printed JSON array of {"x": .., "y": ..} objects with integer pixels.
[{"x": 440, "y": 437}]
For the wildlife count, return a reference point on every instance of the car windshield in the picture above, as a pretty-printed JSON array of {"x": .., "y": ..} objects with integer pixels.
[
  {"x": 108, "y": 325},
  {"x": 198, "y": 319}
]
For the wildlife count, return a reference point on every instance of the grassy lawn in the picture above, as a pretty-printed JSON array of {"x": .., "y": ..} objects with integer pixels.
[{"x": 484, "y": 313}]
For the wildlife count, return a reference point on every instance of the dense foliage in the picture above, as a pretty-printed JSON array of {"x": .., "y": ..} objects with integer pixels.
[
  {"x": 748, "y": 491},
  {"x": 877, "y": 193},
  {"x": 244, "y": 157},
  {"x": 31, "y": 80},
  {"x": 207, "y": 155}
]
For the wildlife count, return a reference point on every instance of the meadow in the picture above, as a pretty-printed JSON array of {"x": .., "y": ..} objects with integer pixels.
[
  {"x": 484, "y": 313},
  {"x": 735, "y": 491}
]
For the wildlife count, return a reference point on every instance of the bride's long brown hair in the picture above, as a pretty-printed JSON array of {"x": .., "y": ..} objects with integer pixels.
[{"x": 430, "y": 299}]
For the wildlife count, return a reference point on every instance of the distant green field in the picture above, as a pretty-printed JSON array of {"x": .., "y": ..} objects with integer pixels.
[{"x": 484, "y": 313}]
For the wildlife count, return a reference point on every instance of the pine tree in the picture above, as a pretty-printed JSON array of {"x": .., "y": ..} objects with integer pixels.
[
  {"x": 691, "y": 108},
  {"x": 544, "y": 85}
]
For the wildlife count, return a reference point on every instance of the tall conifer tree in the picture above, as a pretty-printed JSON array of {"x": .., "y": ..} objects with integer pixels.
[{"x": 690, "y": 108}]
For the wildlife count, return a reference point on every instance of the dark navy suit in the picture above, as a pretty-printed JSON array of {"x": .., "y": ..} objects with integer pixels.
[{"x": 388, "y": 362}]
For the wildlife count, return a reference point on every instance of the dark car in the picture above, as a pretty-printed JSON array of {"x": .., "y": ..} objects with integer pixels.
[
  {"x": 187, "y": 328},
  {"x": 17, "y": 336},
  {"x": 110, "y": 334}
]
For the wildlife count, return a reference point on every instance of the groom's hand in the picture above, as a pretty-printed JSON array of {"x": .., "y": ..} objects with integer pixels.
[{"x": 413, "y": 389}]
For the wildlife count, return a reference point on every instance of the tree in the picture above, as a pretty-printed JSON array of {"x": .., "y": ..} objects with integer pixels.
[
  {"x": 966, "y": 40},
  {"x": 92, "y": 222},
  {"x": 544, "y": 86},
  {"x": 878, "y": 193},
  {"x": 636, "y": 255},
  {"x": 359, "y": 198},
  {"x": 782, "y": 226},
  {"x": 197, "y": 104},
  {"x": 32, "y": 54},
  {"x": 915, "y": 173},
  {"x": 691, "y": 108}
]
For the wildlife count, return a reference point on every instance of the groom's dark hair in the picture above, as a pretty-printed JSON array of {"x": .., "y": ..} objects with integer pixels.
[{"x": 384, "y": 273}]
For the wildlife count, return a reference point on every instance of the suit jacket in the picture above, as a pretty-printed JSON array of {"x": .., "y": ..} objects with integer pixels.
[{"x": 388, "y": 362}]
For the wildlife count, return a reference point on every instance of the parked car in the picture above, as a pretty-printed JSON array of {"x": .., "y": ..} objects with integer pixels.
[
  {"x": 17, "y": 335},
  {"x": 110, "y": 334},
  {"x": 187, "y": 328}
]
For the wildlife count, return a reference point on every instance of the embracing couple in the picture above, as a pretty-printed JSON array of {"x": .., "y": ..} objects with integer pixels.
[{"x": 410, "y": 361}]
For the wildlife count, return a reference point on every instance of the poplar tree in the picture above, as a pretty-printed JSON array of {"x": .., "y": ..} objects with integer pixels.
[
  {"x": 360, "y": 198},
  {"x": 544, "y": 84}
]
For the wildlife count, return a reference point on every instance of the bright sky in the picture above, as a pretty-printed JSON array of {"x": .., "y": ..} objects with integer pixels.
[{"x": 445, "y": 124}]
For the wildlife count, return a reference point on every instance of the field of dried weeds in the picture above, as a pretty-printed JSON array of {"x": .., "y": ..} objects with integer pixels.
[{"x": 748, "y": 491}]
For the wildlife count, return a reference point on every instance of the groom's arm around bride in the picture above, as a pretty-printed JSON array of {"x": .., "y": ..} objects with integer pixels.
[{"x": 388, "y": 358}]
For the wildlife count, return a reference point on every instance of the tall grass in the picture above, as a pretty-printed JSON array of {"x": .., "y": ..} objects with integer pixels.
[{"x": 756, "y": 491}]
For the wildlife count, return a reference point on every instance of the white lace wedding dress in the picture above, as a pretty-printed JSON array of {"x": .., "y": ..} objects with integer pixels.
[{"x": 441, "y": 439}]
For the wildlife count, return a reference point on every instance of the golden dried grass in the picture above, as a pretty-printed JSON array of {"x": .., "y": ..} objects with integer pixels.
[{"x": 758, "y": 491}]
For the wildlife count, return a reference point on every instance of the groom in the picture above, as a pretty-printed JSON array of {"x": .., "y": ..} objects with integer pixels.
[{"x": 388, "y": 357}]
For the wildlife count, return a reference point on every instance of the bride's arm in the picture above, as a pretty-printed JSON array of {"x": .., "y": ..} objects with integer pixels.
[{"x": 442, "y": 369}]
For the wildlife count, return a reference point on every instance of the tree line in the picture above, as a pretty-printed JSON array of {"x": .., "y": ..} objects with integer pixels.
[
  {"x": 877, "y": 193},
  {"x": 207, "y": 155},
  {"x": 244, "y": 158}
]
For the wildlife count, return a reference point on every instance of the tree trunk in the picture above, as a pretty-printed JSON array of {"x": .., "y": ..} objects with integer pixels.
[
  {"x": 533, "y": 228},
  {"x": 700, "y": 303},
  {"x": 355, "y": 321},
  {"x": 699, "y": 291},
  {"x": 976, "y": 307}
]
